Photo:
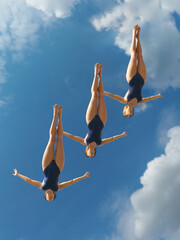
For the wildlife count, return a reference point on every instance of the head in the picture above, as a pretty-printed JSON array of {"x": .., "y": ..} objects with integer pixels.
[
  {"x": 49, "y": 195},
  {"x": 128, "y": 111},
  {"x": 90, "y": 151}
]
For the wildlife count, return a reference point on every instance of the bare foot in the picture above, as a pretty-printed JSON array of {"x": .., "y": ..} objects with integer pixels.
[
  {"x": 100, "y": 70},
  {"x": 135, "y": 28},
  {"x": 55, "y": 109},
  {"x": 96, "y": 69},
  {"x": 60, "y": 108},
  {"x": 138, "y": 32}
]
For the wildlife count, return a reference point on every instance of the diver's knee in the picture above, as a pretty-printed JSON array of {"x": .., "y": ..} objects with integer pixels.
[
  {"x": 52, "y": 138},
  {"x": 93, "y": 93}
]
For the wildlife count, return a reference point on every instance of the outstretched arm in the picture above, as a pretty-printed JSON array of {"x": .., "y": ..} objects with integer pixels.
[
  {"x": 75, "y": 180},
  {"x": 115, "y": 97},
  {"x": 75, "y": 138},
  {"x": 26, "y": 179},
  {"x": 108, "y": 140},
  {"x": 144, "y": 100}
]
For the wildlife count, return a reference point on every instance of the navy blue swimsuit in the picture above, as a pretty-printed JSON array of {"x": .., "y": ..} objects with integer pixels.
[
  {"x": 94, "y": 131},
  {"x": 51, "y": 177},
  {"x": 135, "y": 87}
]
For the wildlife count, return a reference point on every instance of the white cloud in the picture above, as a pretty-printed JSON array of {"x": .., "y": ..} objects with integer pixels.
[
  {"x": 20, "y": 23},
  {"x": 2, "y": 103},
  {"x": 6, "y": 100},
  {"x": 156, "y": 204},
  {"x": 2, "y": 70},
  {"x": 120, "y": 213},
  {"x": 59, "y": 9},
  {"x": 152, "y": 212},
  {"x": 18, "y": 30},
  {"x": 176, "y": 235},
  {"x": 143, "y": 107},
  {"x": 160, "y": 37},
  {"x": 169, "y": 117}
]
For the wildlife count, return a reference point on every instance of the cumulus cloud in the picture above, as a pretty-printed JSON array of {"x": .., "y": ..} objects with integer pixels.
[
  {"x": 59, "y": 9},
  {"x": 20, "y": 22},
  {"x": 156, "y": 204},
  {"x": 160, "y": 37},
  {"x": 119, "y": 210},
  {"x": 152, "y": 212},
  {"x": 168, "y": 118}
]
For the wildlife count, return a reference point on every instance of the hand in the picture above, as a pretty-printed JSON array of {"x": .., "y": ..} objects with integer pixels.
[
  {"x": 87, "y": 175},
  {"x": 159, "y": 95},
  {"x": 15, "y": 172},
  {"x": 124, "y": 134}
]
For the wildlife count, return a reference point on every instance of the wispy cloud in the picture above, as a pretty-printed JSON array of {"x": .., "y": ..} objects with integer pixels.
[
  {"x": 59, "y": 9},
  {"x": 18, "y": 26},
  {"x": 22, "y": 238},
  {"x": 5, "y": 100},
  {"x": 168, "y": 118},
  {"x": 3, "y": 73},
  {"x": 143, "y": 107},
  {"x": 119, "y": 211},
  {"x": 160, "y": 37},
  {"x": 2, "y": 103},
  {"x": 156, "y": 204},
  {"x": 20, "y": 23}
]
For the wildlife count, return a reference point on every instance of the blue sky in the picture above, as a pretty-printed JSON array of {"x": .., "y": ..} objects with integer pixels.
[{"x": 48, "y": 54}]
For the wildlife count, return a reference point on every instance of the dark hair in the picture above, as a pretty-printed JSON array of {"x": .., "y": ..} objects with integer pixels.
[
  {"x": 89, "y": 156},
  {"x": 54, "y": 195}
]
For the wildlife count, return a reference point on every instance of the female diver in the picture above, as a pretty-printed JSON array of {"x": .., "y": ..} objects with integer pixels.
[
  {"x": 52, "y": 168},
  {"x": 95, "y": 117},
  {"x": 136, "y": 77}
]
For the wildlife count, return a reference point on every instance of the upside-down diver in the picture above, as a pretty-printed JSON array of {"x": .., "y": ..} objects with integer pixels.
[
  {"x": 96, "y": 117},
  {"x": 135, "y": 76},
  {"x": 52, "y": 167}
]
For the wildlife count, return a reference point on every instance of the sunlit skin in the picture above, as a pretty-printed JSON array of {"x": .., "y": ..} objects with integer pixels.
[
  {"x": 97, "y": 95},
  {"x": 136, "y": 64},
  {"x": 91, "y": 149},
  {"x": 49, "y": 154},
  {"x": 128, "y": 110},
  {"x": 49, "y": 195}
]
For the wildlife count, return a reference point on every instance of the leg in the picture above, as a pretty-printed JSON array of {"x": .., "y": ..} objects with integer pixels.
[
  {"x": 49, "y": 152},
  {"x": 101, "y": 105},
  {"x": 132, "y": 67},
  {"x": 92, "y": 107},
  {"x": 141, "y": 64},
  {"x": 59, "y": 154}
]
